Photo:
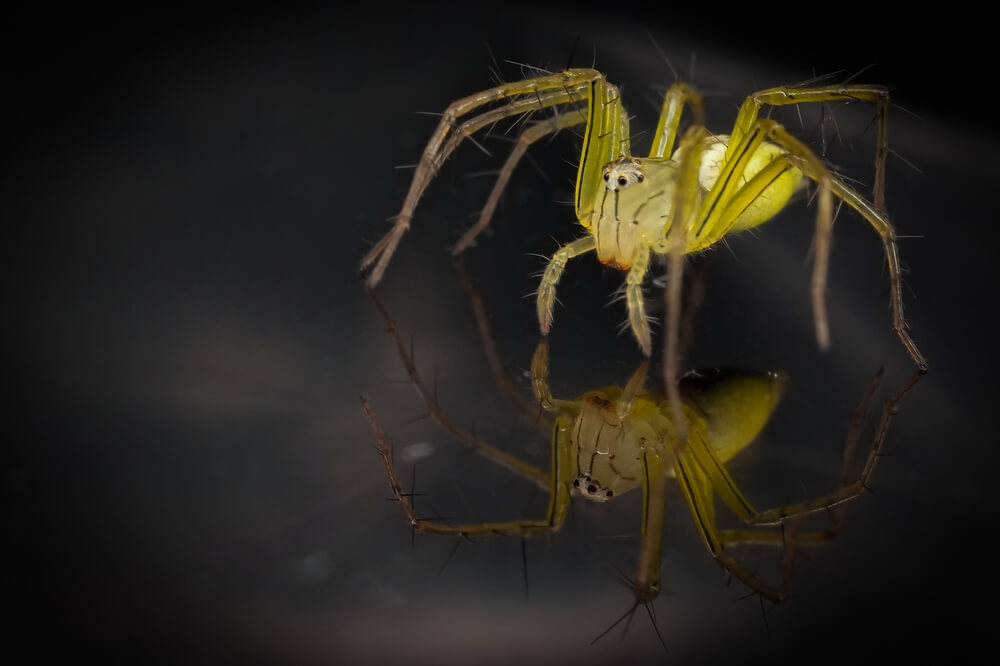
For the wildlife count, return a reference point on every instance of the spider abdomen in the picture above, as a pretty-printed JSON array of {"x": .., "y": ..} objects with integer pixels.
[{"x": 773, "y": 196}]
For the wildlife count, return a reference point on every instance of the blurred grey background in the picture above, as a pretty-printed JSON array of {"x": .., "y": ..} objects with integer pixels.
[{"x": 189, "y": 477}]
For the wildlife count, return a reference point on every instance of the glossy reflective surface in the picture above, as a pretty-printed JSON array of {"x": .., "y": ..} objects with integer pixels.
[{"x": 190, "y": 478}]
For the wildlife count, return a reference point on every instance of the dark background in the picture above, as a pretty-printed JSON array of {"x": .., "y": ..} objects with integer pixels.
[{"x": 188, "y": 474}]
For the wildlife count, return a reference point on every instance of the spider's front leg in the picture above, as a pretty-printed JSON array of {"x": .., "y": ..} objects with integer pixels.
[
  {"x": 636, "y": 304},
  {"x": 559, "y": 488},
  {"x": 553, "y": 272},
  {"x": 606, "y": 138},
  {"x": 464, "y": 118}
]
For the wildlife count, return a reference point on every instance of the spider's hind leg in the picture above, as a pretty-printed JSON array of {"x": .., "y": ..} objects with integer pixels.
[
  {"x": 462, "y": 119},
  {"x": 553, "y": 273},
  {"x": 848, "y": 490},
  {"x": 831, "y": 185}
]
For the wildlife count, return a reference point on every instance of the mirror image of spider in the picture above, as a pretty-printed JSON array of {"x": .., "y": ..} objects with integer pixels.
[{"x": 612, "y": 440}]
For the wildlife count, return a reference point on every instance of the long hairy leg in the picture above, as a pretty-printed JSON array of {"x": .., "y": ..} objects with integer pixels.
[
  {"x": 686, "y": 197},
  {"x": 830, "y": 185},
  {"x": 570, "y": 86},
  {"x": 553, "y": 273},
  {"x": 785, "y": 96}
]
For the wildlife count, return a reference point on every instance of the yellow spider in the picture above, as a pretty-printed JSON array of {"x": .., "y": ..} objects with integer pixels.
[
  {"x": 609, "y": 441},
  {"x": 672, "y": 202}
]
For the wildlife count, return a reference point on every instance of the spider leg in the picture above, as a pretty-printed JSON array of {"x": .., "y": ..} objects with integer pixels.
[
  {"x": 803, "y": 158},
  {"x": 606, "y": 137},
  {"x": 732, "y": 196},
  {"x": 697, "y": 490},
  {"x": 686, "y": 194},
  {"x": 635, "y": 301},
  {"x": 540, "y": 382},
  {"x": 530, "y": 407},
  {"x": 847, "y": 491},
  {"x": 772, "y": 537},
  {"x": 558, "y": 486},
  {"x": 700, "y": 454},
  {"x": 633, "y": 387},
  {"x": 654, "y": 495},
  {"x": 570, "y": 86},
  {"x": 782, "y": 96},
  {"x": 553, "y": 272},
  {"x": 674, "y": 100},
  {"x": 701, "y": 473},
  {"x": 626, "y": 401},
  {"x": 469, "y": 439},
  {"x": 524, "y": 140}
]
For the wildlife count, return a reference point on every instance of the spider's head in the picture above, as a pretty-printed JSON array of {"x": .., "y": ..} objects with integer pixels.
[
  {"x": 592, "y": 489},
  {"x": 623, "y": 172}
]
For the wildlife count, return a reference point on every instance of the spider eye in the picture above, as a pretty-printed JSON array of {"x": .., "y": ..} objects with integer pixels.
[
  {"x": 640, "y": 178},
  {"x": 576, "y": 483},
  {"x": 607, "y": 176},
  {"x": 623, "y": 181},
  {"x": 611, "y": 494},
  {"x": 591, "y": 488}
]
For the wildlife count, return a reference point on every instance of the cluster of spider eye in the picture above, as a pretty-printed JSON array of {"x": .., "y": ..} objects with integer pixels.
[{"x": 593, "y": 491}]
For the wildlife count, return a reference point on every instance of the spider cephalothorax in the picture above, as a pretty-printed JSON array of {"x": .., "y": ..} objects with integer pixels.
[{"x": 592, "y": 489}]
